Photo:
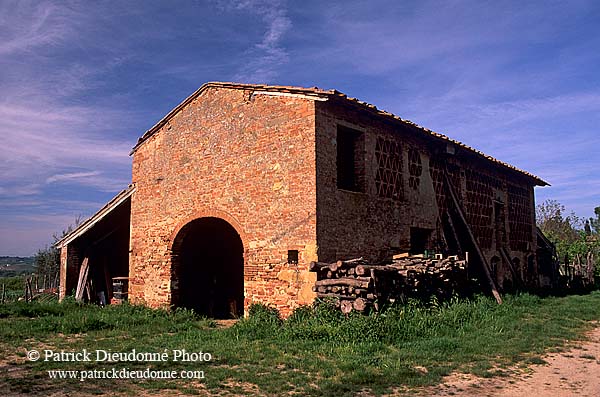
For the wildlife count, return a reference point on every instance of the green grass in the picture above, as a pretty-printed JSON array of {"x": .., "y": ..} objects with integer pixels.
[{"x": 317, "y": 351}]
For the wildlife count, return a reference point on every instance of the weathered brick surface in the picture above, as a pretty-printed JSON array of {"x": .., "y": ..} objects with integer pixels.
[
  {"x": 248, "y": 159},
  {"x": 70, "y": 259},
  {"x": 352, "y": 224}
]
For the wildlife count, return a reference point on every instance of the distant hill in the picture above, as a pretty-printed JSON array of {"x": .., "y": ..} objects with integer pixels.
[{"x": 16, "y": 265}]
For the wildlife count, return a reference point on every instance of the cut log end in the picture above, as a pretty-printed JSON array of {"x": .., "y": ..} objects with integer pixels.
[
  {"x": 359, "y": 304},
  {"x": 346, "y": 306}
]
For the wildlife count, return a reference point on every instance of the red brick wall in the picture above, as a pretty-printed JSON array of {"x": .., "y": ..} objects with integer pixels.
[
  {"x": 353, "y": 224},
  {"x": 62, "y": 291},
  {"x": 248, "y": 159},
  {"x": 70, "y": 258}
]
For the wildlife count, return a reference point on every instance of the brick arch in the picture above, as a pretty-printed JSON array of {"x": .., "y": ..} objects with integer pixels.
[
  {"x": 176, "y": 245},
  {"x": 209, "y": 213}
]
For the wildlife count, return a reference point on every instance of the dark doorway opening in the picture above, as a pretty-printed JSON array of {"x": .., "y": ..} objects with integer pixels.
[
  {"x": 208, "y": 268},
  {"x": 106, "y": 247},
  {"x": 419, "y": 240}
]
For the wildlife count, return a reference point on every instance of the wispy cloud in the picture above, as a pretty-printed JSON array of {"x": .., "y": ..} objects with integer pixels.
[
  {"x": 42, "y": 139},
  {"x": 20, "y": 190},
  {"x": 71, "y": 176},
  {"x": 47, "y": 129},
  {"x": 57, "y": 138},
  {"x": 49, "y": 205},
  {"x": 25, "y": 27},
  {"x": 458, "y": 110},
  {"x": 389, "y": 36},
  {"x": 265, "y": 58}
]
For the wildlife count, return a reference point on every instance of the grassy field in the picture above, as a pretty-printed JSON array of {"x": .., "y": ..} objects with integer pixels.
[
  {"x": 315, "y": 352},
  {"x": 11, "y": 266},
  {"x": 13, "y": 287}
]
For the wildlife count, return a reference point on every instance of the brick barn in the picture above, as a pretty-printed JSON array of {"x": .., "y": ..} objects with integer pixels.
[{"x": 240, "y": 187}]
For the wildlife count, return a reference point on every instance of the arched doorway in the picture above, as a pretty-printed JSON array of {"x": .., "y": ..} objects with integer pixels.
[{"x": 208, "y": 268}]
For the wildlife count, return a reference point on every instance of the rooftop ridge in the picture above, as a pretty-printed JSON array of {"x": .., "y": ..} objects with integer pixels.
[{"x": 331, "y": 93}]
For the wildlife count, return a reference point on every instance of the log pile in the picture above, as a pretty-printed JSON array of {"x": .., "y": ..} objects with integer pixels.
[{"x": 359, "y": 285}]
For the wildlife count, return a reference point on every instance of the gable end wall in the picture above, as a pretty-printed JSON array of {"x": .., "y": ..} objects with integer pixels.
[{"x": 243, "y": 157}]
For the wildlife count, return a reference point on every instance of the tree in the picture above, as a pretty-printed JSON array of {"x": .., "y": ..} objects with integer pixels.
[
  {"x": 47, "y": 260},
  {"x": 570, "y": 234},
  {"x": 587, "y": 228},
  {"x": 595, "y": 223},
  {"x": 552, "y": 222}
]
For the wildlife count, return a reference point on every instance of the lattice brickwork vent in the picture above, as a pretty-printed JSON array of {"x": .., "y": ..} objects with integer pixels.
[
  {"x": 479, "y": 205},
  {"x": 389, "y": 168},
  {"x": 519, "y": 217},
  {"x": 415, "y": 169}
]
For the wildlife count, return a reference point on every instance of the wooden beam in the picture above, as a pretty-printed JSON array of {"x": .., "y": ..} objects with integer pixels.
[
  {"x": 358, "y": 282},
  {"x": 28, "y": 296},
  {"x": 455, "y": 235},
  {"x": 83, "y": 277},
  {"x": 486, "y": 266},
  {"x": 98, "y": 216},
  {"x": 511, "y": 266}
]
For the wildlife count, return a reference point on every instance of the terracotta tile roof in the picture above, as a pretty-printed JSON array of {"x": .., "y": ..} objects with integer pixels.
[{"x": 326, "y": 94}]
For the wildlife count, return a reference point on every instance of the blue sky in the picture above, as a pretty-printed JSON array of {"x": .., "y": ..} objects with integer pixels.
[{"x": 81, "y": 81}]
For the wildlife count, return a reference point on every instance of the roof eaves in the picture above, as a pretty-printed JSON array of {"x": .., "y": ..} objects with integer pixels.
[
  {"x": 92, "y": 220},
  {"x": 538, "y": 181}
]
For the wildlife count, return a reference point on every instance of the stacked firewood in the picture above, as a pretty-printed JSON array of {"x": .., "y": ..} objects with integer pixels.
[{"x": 359, "y": 285}]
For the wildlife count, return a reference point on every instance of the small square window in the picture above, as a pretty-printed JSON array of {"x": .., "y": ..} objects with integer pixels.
[{"x": 293, "y": 257}]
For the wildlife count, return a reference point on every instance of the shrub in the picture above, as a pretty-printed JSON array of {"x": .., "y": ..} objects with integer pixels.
[{"x": 262, "y": 322}]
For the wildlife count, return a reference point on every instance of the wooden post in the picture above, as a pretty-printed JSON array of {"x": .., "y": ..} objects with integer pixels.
[
  {"x": 486, "y": 266},
  {"x": 506, "y": 257},
  {"x": 83, "y": 276},
  {"x": 28, "y": 290},
  {"x": 590, "y": 267}
]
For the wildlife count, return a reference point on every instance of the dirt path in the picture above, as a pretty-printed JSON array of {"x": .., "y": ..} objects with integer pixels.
[{"x": 572, "y": 373}]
